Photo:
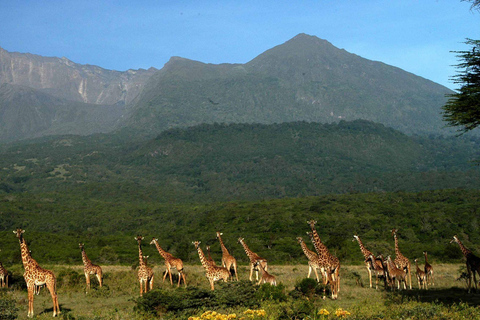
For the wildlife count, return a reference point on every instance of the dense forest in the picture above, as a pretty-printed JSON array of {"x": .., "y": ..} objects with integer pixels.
[{"x": 56, "y": 222}]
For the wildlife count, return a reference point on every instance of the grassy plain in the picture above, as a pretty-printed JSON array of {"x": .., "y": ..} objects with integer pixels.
[{"x": 116, "y": 300}]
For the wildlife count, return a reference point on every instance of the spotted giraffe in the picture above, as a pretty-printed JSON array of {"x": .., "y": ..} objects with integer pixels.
[
  {"x": 401, "y": 261},
  {"x": 3, "y": 276},
  {"x": 170, "y": 263},
  {"x": 330, "y": 263},
  {"x": 228, "y": 261},
  {"x": 35, "y": 275},
  {"x": 313, "y": 263},
  {"x": 213, "y": 273},
  {"x": 473, "y": 263},
  {"x": 369, "y": 263},
  {"x": 89, "y": 268},
  {"x": 253, "y": 257},
  {"x": 145, "y": 273},
  {"x": 210, "y": 259},
  {"x": 428, "y": 269}
]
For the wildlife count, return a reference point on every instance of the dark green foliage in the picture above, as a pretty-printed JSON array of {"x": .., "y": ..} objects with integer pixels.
[
  {"x": 269, "y": 292},
  {"x": 308, "y": 288},
  {"x": 8, "y": 310},
  {"x": 232, "y": 294},
  {"x": 463, "y": 107}
]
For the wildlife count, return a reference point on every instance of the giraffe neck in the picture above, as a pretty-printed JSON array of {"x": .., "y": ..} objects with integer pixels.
[
  {"x": 140, "y": 255},
  {"x": 426, "y": 259},
  {"x": 249, "y": 253},
  {"x": 465, "y": 251},
  {"x": 162, "y": 252},
  {"x": 85, "y": 259},
  {"x": 317, "y": 243},
  {"x": 397, "y": 250},
  {"x": 224, "y": 249},
  {"x": 365, "y": 252},
  {"x": 310, "y": 254},
  {"x": 202, "y": 258},
  {"x": 26, "y": 258}
]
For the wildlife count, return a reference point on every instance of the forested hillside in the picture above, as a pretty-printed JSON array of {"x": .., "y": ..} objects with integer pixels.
[{"x": 241, "y": 162}]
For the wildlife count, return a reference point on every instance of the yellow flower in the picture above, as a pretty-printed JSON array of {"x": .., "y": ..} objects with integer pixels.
[
  {"x": 323, "y": 312},
  {"x": 341, "y": 313}
]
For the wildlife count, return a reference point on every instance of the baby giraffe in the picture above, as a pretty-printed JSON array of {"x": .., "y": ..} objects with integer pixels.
[
  {"x": 266, "y": 277},
  {"x": 421, "y": 277}
]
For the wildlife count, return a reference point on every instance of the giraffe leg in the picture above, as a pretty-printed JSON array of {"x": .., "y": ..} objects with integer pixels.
[
  {"x": 235, "y": 269},
  {"x": 316, "y": 274},
  {"x": 53, "y": 293},
  {"x": 410, "y": 275},
  {"x": 369, "y": 275},
  {"x": 211, "y": 284},
  {"x": 31, "y": 289},
  {"x": 170, "y": 274},
  {"x": 251, "y": 271},
  {"x": 151, "y": 283},
  {"x": 87, "y": 277},
  {"x": 309, "y": 271},
  {"x": 99, "y": 278}
]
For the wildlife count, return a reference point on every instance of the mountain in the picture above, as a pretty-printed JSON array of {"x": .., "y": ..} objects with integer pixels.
[
  {"x": 65, "y": 79},
  {"x": 304, "y": 79},
  {"x": 27, "y": 113}
]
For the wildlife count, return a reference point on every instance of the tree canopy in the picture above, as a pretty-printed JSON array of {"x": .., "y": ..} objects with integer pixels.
[{"x": 463, "y": 107}]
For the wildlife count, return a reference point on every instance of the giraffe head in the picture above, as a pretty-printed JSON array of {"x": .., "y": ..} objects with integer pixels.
[
  {"x": 139, "y": 239},
  {"x": 153, "y": 240},
  {"x": 240, "y": 240},
  {"x": 145, "y": 258},
  {"x": 196, "y": 244},
  {"x": 455, "y": 239},
  {"x": 82, "y": 246},
  {"x": 424, "y": 253},
  {"x": 356, "y": 238},
  {"x": 394, "y": 232},
  {"x": 312, "y": 223},
  {"x": 219, "y": 234},
  {"x": 19, "y": 233},
  {"x": 299, "y": 239}
]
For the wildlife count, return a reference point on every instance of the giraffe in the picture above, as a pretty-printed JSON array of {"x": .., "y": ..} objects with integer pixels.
[
  {"x": 3, "y": 276},
  {"x": 312, "y": 257},
  {"x": 401, "y": 261},
  {"x": 35, "y": 275},
  {"x": 379, "y": 269},
  {"x": 145, "y": 273},
  {"x": 331, "y": 263},
  {"x": 473, "y": 263},
  {"x": 395, "y": 274},
  {"x": 227, "y": 259},
  {"x": 369, "y": 263},
  {"x": 253, "y": 257},
  {"x": 421, "y": 277},
  {"x": 213, "y": 273},
  {"x": 89, "y": 268},
  {"x": 210, "y": 259},
  {"x": 428, "y": 270},
  {"x": 266, "y": 277},
  {"x": 170, "y": 263}
]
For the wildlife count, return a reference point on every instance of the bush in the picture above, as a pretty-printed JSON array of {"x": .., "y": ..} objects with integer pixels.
[
  {"x": 308, "y": 288},
  {"x": 7, "y": 306},
  {"x": 269, "y": 292}
]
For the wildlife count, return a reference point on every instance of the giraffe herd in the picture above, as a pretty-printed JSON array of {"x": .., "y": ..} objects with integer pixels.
[{"x": 394, "y": 272}]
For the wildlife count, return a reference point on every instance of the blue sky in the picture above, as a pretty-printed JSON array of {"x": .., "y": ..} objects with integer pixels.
[{"x": 416, "y": 36}]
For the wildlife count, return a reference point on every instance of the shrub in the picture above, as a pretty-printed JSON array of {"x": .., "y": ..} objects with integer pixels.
[
  {"x": 7, "y": 306},
  {"x": 268, "y": 292}
]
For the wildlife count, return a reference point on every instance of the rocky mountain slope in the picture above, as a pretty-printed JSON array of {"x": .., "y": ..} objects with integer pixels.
[{"x": 65, "y": 79}]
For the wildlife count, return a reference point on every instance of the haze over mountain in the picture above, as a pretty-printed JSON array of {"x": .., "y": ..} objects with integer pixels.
[{"x": 305, "y": 79}]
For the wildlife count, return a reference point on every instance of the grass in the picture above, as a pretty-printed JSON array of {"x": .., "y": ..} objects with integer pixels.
[{"x": 116, "y": 299}]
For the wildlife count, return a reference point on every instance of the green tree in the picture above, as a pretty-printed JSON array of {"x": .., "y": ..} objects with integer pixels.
[{"x": 463, "y": 107}]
